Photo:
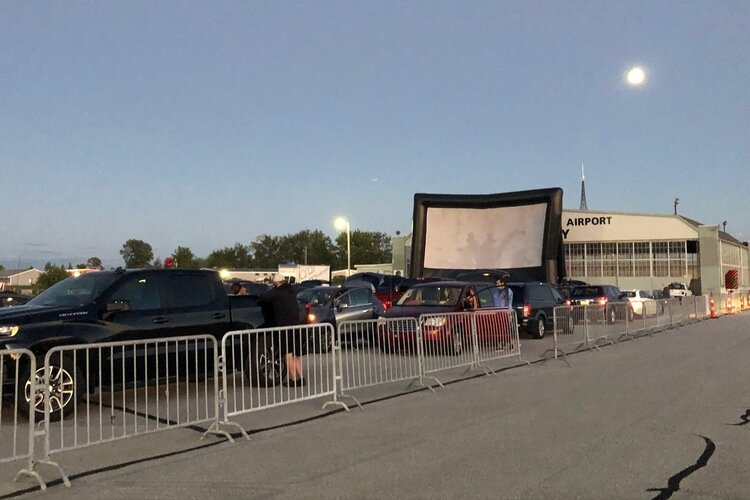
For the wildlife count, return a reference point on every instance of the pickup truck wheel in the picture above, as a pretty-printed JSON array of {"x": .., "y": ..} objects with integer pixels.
[
  {"x": 266, "y": 366},
  {"x": 63, "y": 396}
]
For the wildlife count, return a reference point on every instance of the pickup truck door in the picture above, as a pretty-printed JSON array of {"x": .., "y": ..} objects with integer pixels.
[
  {"x": 141, "y": 317},
  {"x": 194, "y": 304}
]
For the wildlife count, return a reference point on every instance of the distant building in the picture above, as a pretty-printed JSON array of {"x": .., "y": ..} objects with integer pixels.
[
  {"x": 636, "y": 250},
  {"x": 18, "y": 278}
]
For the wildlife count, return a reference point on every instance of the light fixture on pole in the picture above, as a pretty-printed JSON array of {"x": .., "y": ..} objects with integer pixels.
[
  {"x": 342, "y": 223},
  {"x": 676, "y": 202},
  {"x": 725, "y": 226}
]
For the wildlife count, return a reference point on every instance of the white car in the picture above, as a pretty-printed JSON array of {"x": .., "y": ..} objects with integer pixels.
[{"x": 642, "y": 301}]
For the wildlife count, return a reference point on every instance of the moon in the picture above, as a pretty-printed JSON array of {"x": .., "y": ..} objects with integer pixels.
[{"x": 636, "y": 76}]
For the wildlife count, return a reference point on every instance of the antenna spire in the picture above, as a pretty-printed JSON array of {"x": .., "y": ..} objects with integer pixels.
[{"x": 583, "y": 190}]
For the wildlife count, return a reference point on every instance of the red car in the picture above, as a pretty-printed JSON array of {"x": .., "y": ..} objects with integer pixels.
[{"x": 443, "y": 330}]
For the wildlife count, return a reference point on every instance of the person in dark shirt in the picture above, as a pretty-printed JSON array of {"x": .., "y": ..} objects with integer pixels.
[{"x": 280, "y": 309}]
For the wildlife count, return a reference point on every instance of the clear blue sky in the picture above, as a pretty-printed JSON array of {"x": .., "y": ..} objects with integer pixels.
[{"x": 202, "y": 124}]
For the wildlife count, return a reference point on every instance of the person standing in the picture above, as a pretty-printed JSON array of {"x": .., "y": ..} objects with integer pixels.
[
  {"x": 280, "y": 309},
  {"x": 502, "y": 296}
]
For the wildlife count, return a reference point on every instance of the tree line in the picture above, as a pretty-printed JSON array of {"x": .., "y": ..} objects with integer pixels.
[{"x": 266, "y": 252}]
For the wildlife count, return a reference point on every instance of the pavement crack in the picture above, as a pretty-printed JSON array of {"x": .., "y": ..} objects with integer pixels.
[
  {"x": 673, "y": 483},
  {"x": 745, "y": 419}
]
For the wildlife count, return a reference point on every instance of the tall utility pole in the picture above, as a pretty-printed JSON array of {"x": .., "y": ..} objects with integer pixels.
[
  {"x": 676, "y": 202},
  {"x": 583, "y": 190}
]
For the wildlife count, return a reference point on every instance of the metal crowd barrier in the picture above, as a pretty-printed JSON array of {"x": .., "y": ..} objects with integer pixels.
[
  {"x": 17, "y": 420},
  {"x": 496, "y": 335},
  {"x": 448, "y": 340},
  {"x": 595, "y": 323},
  {"x": 391, "y": 354},
  {"x": 255, "y": 374},
  {"x": 116, "y": 390}
]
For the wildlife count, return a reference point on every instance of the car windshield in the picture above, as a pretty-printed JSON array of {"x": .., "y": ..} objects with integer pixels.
[
  {"x": 437, "y": 295},
  {"x": 74, "y": 291},
  {"x": 628, "y": 293},
  {"x": 677, "y": 286}
]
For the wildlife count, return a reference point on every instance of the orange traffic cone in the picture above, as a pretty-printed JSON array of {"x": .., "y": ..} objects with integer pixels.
[{"x": 711, "y": 306}]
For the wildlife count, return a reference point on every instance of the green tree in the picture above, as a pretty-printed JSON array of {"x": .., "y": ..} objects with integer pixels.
[
  {"x": 368, "y": 247},
  {"x": 136, "y": 253},
  {"x": 2, "y": 268},
  {"x": 185, "y": 258},
  {"x": 94, "y": 263},
  {"x": 265, "y": 250},
  {"x": 80, "y": 266},
  {"x": 236, "y": 257},
  {"x": 51, "y": 275}
]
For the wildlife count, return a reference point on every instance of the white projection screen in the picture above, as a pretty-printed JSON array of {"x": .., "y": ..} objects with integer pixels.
[{"x": 518, "y": 232}]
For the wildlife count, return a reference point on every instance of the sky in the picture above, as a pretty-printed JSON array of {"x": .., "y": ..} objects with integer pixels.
[{"x": 202, "y": 124}]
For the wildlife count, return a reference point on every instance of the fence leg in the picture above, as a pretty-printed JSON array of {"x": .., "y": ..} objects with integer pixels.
[{"x": 338, "y": 378}]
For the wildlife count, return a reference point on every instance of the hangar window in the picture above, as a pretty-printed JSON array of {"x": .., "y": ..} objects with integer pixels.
[
  {"x": 594, "y": 259},
  {"x": 609, "y": 259},
  {"x": 625, "y": 259},
  {"x": 574, "y": 259},
  {"x": 641, "y": 258}
]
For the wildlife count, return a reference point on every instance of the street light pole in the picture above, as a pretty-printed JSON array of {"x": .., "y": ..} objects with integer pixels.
[{"x": 676, "y": 202}]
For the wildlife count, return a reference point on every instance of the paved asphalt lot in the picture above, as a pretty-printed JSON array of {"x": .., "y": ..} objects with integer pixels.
[{"x": 657, "y": 417}]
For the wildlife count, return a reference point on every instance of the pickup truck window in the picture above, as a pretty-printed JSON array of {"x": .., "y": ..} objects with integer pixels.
[
  {"x": 74, "y": 291},
  {"x": 189, "y": 290},
  {"x": 141, "y": 292}
]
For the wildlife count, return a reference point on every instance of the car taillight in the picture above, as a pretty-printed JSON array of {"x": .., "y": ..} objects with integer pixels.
[
  {"x": 387, "y": 304},
  {"x": 526, "y": 310},
  {"x": 602, "y": 300},
  {"x": 568, "y": 302}
]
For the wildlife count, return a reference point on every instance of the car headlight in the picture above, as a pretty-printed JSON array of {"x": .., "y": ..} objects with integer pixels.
[
  {"x": 8, "y": 330},
  {"x": 435, "y": 322}
]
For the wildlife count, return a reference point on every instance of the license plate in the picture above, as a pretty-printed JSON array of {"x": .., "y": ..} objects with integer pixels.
[{"x": 585, "y": 302}]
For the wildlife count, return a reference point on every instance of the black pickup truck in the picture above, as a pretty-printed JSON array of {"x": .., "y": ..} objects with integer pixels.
[{"x": 124, "y": 305}]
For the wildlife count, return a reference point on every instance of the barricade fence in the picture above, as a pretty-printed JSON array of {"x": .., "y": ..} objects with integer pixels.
[
  {"x": 391, "y": 357},
  {"x": 16, "y": 419},
  {"x": 95, "y": 393},
  {"x": 104, "y": 392},
  {"x": 610, "y": 322},
  {"x": 269, "y": 367},
  {"x": 448, "y": 340}
]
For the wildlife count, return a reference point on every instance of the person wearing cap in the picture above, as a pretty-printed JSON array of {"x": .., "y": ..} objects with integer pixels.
[{"x": 280, "y": 310}]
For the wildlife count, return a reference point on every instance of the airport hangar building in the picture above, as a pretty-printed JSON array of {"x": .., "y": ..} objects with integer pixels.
[{"x": 632, "y": 250}]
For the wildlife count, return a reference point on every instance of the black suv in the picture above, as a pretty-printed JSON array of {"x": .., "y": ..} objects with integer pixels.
[
  {"x": 534, "y": 303},
  {"x": 615, "y": 303}
]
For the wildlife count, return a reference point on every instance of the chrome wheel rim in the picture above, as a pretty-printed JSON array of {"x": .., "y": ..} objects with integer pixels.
[{"x": 61, "y": 389}]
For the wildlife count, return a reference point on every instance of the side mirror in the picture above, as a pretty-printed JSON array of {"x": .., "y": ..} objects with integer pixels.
[{"x": 340, "y": 306}]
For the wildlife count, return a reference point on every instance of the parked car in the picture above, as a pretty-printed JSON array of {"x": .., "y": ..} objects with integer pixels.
[
  {"x": 566, "y": 286},
  {"x": 388, "y": 287},
  {"x": 123, "y": 305},
  {"x": 534, "y": 303},
  {"x": 641, "y": 302},
  {"x": 332, "y": 304},
  {"x": 676, "y": 290},
  {"x": 451, "y": 334},
  {"x": 9, "y": 299},
  {"x": 606, "y": 296}
]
